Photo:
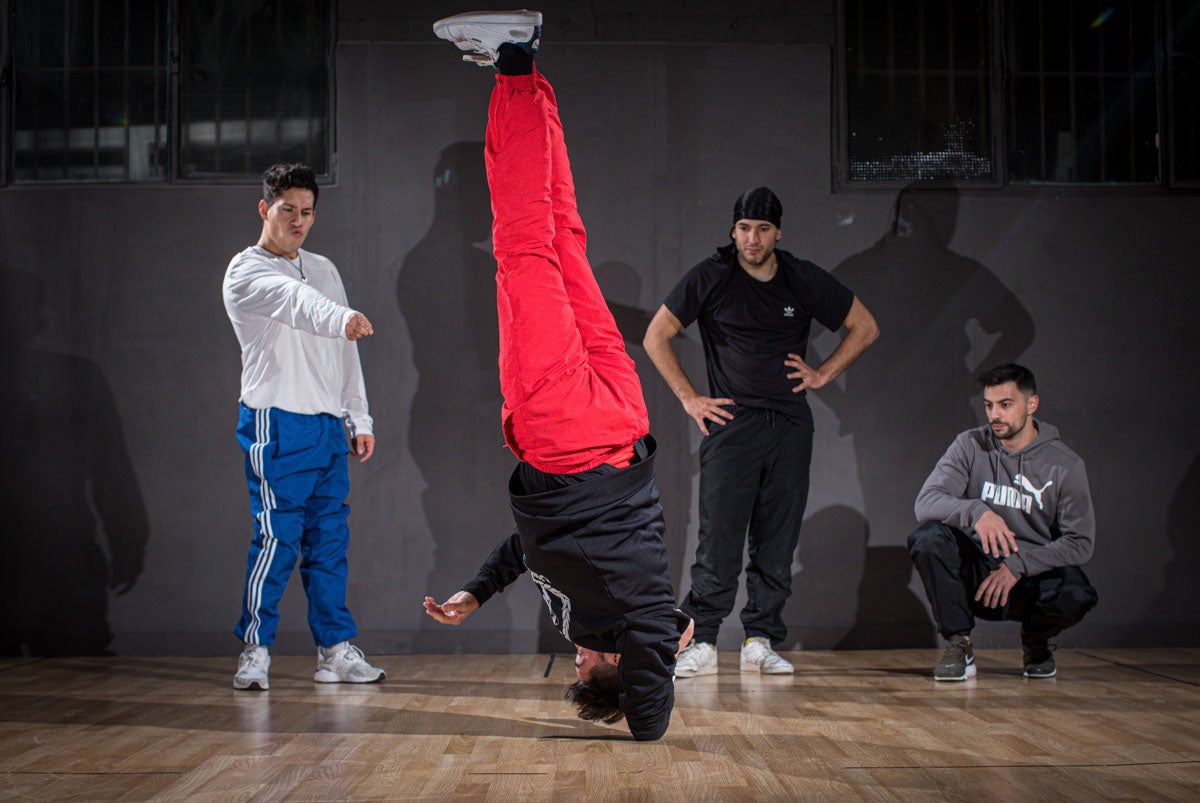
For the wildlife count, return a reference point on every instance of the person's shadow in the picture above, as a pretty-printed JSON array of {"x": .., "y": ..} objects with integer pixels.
[
  {"x": 676, "y": 463},
  {"x": 446, "y": 291},
  {"x": 890, "y": 615},
  {"x": 943, "y": 317},
  {"x": 75, "y": 522},
  {"x": 1174, "y": 610}
]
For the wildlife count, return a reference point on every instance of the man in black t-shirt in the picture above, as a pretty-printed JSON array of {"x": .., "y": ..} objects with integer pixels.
[{"x": 754, "y": 305}]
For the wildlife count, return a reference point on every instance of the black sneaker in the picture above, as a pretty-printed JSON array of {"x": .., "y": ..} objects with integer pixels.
[
  {"x": 1038, "y": 657},
  {"x": 957, "y": 662}
]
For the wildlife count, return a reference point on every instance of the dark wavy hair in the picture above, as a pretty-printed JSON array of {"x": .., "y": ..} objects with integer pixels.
[
  {"x": 1009, "y": 372},
  {"x": 598, "y": 699},
  {"x": 280, "y": 177}
]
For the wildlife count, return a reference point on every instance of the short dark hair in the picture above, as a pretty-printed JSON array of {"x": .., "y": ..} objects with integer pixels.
[
  {"x": 1010, "y": 372},
  {"x": 598, "y": 699},
  {"x": 280, "y": 177}
]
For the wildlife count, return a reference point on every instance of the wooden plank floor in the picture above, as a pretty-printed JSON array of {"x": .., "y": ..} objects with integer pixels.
[{"x": 1115, "y": 724}]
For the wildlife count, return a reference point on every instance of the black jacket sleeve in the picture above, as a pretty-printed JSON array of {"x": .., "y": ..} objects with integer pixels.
[
  {"x": 505, "y": 564},
  {"x": 647, "y": 672}
]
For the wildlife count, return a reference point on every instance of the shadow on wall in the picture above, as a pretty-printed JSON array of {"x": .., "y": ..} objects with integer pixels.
[
  {"x": 75, "y": 524},
  {"x": 850, "y": 596},
  {"x": 1173, "y": 613},
  {"x": 677, "y": 463},
  {"x": 446, "y": 291},
  {"x": 890, "y": 615},
  {"x": 944, "y": 318}
]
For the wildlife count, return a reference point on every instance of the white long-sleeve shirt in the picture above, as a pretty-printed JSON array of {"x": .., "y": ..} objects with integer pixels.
[{"x": 292, "y": 330}]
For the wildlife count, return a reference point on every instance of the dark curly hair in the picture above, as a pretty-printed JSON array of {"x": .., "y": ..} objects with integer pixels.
[
  {"x": 280, "y": 177},
  {"x": 598, "y": 698}
]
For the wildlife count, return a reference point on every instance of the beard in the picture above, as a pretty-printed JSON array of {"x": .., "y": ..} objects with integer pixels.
[
  {"x": 1008, "y": 431},
  {"x": 758, "y": 260}
]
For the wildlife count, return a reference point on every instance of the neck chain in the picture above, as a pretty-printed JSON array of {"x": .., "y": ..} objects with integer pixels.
[{"x": 298, "y": 264}]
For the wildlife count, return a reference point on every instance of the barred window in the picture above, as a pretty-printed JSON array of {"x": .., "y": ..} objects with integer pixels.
[
  {"x": 1183, "y": 89},
  {"x": 1019, "y": 92},
  {"x": 254, "y": 88},
  {"x": 93, "y": 97},
  {"x": 90, "y": 90},
  {"x": 1083, "y": 105},
  {"x": 918, "y": 90}
]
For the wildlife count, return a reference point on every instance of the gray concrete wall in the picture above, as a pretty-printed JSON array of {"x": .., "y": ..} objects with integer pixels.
[{"x": 122, "y": 373}]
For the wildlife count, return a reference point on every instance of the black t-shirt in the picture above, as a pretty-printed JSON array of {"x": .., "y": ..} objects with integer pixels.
[{"x": 749, "y": 327}]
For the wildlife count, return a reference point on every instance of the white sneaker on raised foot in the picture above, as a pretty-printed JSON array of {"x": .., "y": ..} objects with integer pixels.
[
  {"x": 757, "y": 656},
  {"x": 699, "y": 658},
  {"x": 254, "y": 664},
  {"x": 481, "y": 33},
  {"x": 345, "y": 663}
]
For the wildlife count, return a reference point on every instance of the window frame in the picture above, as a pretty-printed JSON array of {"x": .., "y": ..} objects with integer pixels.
[
  {"x": 841, "y": 140},
  {"x": 173, "y": 115},
  {"x": 1000, "y": 108},
  {"x": 1167, "y": 58},
  {"x": 6, "y": 97}
]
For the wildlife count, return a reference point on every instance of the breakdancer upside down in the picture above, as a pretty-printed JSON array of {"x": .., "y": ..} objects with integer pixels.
[{"x": 588, "y": 522}]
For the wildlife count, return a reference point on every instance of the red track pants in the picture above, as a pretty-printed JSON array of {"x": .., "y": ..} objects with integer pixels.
[{"x": 572, "y": 398}]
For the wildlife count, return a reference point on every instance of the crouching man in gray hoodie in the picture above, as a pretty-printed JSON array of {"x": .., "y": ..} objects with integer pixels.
[{"x": 1007, "y": 522}]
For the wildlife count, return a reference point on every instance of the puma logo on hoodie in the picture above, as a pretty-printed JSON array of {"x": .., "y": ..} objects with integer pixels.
[{"x": 1010, "y": 496}]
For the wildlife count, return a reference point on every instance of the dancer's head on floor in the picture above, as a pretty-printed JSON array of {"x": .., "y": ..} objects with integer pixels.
[{"x": 597, "y": 694}]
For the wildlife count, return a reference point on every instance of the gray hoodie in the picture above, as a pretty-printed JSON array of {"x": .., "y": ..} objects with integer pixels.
[{"x": 1040, "y": 491}]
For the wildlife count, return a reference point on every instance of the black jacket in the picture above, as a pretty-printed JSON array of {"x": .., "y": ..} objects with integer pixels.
[{"x": 596, "y": 551}]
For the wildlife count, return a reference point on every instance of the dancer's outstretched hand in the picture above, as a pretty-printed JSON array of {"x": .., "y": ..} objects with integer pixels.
[{"x": 453, "y": 610}]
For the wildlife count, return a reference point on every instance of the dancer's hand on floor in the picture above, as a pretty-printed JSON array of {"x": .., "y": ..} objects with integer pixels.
[{"x": 453, "y": 610}]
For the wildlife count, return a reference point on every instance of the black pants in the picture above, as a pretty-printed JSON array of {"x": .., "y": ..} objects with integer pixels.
[
  {"x": 952, "y": 566},
  {"x": 753, "y": 477}
]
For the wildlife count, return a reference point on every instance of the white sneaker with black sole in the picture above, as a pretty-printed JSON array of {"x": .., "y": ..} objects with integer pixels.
[
  {"x": 254, "y": 666},
  {"x": 345, "y": 663}
]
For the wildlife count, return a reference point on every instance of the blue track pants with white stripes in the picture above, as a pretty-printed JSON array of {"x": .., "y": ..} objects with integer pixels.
[{"x": 296, "y": 470}]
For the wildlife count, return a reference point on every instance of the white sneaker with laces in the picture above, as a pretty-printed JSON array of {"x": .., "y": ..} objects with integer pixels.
[
  {"x": 345, "y": 663},
  {"x": 757, "y": 656},
  {"x": 699, "y": 658},
  {"x": 481, "y": 33},
  {"x": 254, "y": 664}
]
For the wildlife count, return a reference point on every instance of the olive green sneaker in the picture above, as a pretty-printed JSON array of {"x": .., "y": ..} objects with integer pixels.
[{"x": 957, "y": 662}]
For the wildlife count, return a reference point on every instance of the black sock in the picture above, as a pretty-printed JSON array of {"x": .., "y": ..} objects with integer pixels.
[{"x": 513, "y": 60}]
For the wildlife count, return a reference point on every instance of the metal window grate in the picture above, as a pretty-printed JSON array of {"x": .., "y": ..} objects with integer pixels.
[
  {"x": 1183, "y": 89},
  {"x": 1083, "y": 105},
  {"x": 918, "y": 90},
  {"x": 90, "y": 90},
  {"x": 254, "y": 86}
]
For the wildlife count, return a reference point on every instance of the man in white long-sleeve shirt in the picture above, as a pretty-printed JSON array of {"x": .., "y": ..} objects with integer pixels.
[{"x": 302, "y": 388}]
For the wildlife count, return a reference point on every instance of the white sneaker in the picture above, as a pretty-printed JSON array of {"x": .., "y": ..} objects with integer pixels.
[
  {"x": 757, "y": 656},
  {"x": 481, "y": 33},
  {"x": 253, "y": 665},
  {"x": 345, "y": 663},
  {"x": 699, "y": 658}
]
